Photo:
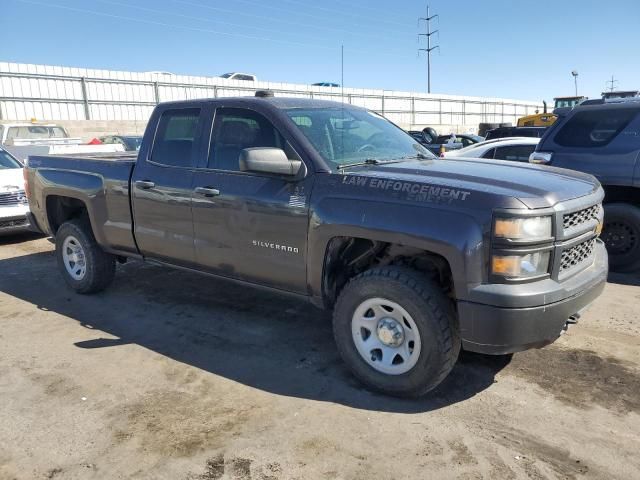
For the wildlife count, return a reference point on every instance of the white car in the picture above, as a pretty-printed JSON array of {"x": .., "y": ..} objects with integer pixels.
[
  {"x": 24, "y": 139},
  {"x": 239, "y": 76},
  {"x": 516, "y": 149},
  {"x": 13, "y": 201}
]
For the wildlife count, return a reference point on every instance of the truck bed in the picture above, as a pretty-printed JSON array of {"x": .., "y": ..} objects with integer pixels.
[{"x": 100, "y": 181}]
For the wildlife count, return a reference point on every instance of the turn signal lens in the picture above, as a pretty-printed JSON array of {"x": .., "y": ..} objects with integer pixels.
[
  {"x": 520, "y": 266},
  {"x": 506, "y": 266}
]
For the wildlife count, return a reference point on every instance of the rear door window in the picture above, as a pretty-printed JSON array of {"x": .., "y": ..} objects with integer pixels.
[
  {"x": 595, "y": 128},
  {"x": 176, "y": 137}
]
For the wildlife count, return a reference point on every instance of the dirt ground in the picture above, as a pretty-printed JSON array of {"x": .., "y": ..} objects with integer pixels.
[{"x": 178, "y": 376}]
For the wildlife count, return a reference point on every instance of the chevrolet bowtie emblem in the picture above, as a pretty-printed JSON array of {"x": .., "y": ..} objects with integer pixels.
[{"x": 599, "y": 228}]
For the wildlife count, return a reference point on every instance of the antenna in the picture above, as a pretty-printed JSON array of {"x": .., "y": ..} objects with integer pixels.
[
  {"x": 612, "y": 82},
  {"x": 429, "y": 48}
]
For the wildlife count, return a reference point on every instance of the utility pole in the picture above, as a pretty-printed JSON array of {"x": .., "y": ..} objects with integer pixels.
[
  {"x": 429, "y": 48},
  {"x": 613, "y": 82},
  {"x": 575, "y": 79},
  {"x": 342, "y": 72}
]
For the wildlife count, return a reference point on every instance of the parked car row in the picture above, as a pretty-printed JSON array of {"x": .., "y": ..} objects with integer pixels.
[
  {"x": 249, "y": 77},
  {"x": 130, "y": 143},
  {"x": 435, "y": 143},
  {"x": 504, "y": 132},
  {"x": 600, "y": 137},
  {"x": 24, "y": 139},
  {"x": 14, "y": 205},
  {"x": 18, "y": 141},
  {"x": 513, "y": 148}
]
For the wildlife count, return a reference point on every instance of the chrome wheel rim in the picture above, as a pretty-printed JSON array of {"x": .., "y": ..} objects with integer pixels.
[
  {"x": 386, "y": 336},
  {"x": 73, "y": 258}
]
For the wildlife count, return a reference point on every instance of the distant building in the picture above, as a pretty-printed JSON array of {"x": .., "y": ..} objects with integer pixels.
[{"x": 621, "y": 94}]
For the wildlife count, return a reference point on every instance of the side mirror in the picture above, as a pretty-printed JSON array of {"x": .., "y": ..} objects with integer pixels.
[
  {"x": 540, "y": 158},
  {"x": 268, "y": 160}
]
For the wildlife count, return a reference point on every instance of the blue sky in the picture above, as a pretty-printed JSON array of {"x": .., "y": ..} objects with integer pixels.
[{"x": 514, "y": 49}]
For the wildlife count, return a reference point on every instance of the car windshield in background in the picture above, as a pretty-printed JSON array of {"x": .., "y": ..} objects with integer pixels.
[
  {"x": 226, "y": 75},
  {"x": 133, "y": 143},
  {"x": 7, "y": 161},
  {"x": 343, "y": 136},
  {"x": 35, "y": 132}
]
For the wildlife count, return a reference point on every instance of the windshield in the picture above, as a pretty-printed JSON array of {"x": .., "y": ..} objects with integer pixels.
[
  {"x": 344, "y": 135},
  {"x": 133, "y": 143},
  {"x": 226, "y": 75},
  {"x": 35, "y": 132},
  {"x": 7, "y": 161}
]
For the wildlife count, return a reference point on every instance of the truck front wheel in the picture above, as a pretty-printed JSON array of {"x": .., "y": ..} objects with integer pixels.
[
  {"x": 621, "y": 235},
  {"x": 396, "y": 330},
  {"x": 83, "y": 264}
]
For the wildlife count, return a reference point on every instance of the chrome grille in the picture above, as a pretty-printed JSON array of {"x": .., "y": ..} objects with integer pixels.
[
  {"x": 16, "y": 197},
  {"x": 577, "y": 254},
  {"x": 575, "y": 219}
]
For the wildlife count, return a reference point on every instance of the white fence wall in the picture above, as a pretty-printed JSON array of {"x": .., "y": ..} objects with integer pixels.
[{"x": 64, "y": 93}]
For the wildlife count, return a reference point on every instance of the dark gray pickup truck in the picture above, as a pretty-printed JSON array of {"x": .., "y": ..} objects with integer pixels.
[{"x": 418, "y": 257}]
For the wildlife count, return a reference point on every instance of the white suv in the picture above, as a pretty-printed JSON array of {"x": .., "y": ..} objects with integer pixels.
[{"x": 239, "y": 76}]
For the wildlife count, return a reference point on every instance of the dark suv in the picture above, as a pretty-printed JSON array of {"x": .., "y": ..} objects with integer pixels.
[
  {"x": 504, "y": 132},
  {"x": 602, "y": 137}
]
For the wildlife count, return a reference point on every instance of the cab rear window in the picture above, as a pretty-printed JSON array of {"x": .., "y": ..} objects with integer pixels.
[{"x": 595, "y": 128}]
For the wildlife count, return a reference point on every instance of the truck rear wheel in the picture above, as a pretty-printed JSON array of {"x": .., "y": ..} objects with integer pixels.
[
  {"x": 83, "y": 264},
  {"x": 395, "y": 329},
  {"x": 621, "y": 235}
]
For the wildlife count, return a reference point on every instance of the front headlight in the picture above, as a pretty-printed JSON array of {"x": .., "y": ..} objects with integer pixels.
[
  {"x": 520, "y": 266},
  {"x": 525, "y": 229}
]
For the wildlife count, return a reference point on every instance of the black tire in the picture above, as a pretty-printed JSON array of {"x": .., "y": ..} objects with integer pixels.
[
  {"x": 432, "y": 313},
  {"x": 100, "y": 266},
  {"x": 429, "y": 135},
  {"x": 621, "y": 235}
]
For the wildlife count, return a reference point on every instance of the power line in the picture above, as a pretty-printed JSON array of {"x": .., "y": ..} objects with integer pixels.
[
  {"x": 169, "y": 25},
  {"x": 194, "y": 29},
  {"x": 341, "y": 12},
  {"x": 222, "y": 22},
  {"x": 385, "y": 11},
  {"x": 429, "y": 48},
  {"x": 224, "y": 10}
]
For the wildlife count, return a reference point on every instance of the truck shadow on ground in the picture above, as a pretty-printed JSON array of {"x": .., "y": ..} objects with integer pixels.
[
  {"x": 259, "y": 339},
  {"x": 630, "y": 279},
  {"x": 19, "y": 238}
]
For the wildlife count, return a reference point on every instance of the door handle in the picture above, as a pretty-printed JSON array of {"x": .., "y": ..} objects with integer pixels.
[
  {"x": 207, "y": 191},
  {"x": 144, "y": 184}
]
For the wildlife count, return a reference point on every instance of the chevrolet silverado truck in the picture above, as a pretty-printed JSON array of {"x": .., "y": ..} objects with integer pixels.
[{"x": 417, "y": 257}]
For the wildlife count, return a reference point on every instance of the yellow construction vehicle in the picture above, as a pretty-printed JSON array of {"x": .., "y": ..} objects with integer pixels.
[
  {"x": 545, "y": 119},
  {"x": 538, "y": 119}
]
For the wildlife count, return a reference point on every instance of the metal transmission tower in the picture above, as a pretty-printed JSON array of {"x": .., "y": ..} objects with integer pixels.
[
  {"x": 429, "y": 48},
  {"x": 612, "y": 83}
]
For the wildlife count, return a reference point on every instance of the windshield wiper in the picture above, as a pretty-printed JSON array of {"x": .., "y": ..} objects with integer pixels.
[
  {"x": 366, "y": 161},
  {"x": 419, "y": 155},
  {"x": 375, "y": 161}
]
